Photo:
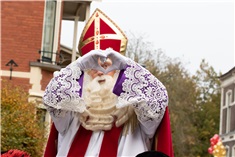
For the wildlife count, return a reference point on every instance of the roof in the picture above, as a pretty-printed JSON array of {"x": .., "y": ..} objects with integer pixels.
[
  {"x": 76, "y": 8},
  {"x": 228, "y": 74},
  {"x": 66, "y": 49}
]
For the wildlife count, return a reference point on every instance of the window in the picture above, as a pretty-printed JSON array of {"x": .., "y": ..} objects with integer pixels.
[
  {"x": 233, "y": 150},
  {"x": 48, "y": 30},
  {"x": 228, "y": 98},
  {"x": 228, "y": 102},
  {"x": 234, "y": 95},
  {"x": 226, "y": 110},
  {"x": 227, "y": 151},
  {"x": 232, "y": 111}
]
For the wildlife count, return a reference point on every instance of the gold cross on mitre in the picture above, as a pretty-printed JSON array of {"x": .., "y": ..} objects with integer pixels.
[{"x": 100, "y": 32}]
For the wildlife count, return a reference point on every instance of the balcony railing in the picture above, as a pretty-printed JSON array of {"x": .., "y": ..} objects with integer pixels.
[
  {"x": 46, "y": 59},
  {"x": 45, "y": 62}
]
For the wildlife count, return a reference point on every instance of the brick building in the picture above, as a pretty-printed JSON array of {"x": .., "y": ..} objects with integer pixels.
[
  {"x": 31, "y": 33},
  {"x": 227, "y": 111}
]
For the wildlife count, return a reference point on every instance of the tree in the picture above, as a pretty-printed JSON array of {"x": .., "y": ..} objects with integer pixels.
[
  {"x": 194, "y": 101},
  {"x": 207, "y": 117},
  {"x": 138, "y": 48},
  {"x": 182, "y": 96},
  {"x": 181, "y": 91},
  {"x": 20, "y": 127}
]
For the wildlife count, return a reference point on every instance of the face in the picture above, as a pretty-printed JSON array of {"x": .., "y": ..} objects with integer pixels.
[{"x": 94, "y": 73}]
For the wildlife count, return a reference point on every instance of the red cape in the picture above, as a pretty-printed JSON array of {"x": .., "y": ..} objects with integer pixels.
[{"x": 163, "y": 138}]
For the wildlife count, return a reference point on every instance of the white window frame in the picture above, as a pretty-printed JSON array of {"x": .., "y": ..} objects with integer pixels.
[
  {"x": 228, "y": 102},
  {"x": 234, "y": 95},
  {"x": 232, "y": 104},
  {"x": 57, "y": 19},
  {"x": 233, "y": 150},
  {"x": 227, "y": 150}
]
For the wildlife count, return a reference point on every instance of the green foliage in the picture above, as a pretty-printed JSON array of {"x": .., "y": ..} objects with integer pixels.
[
  {"x": 206, "y": 118},
  {"x": 20, "y": 128},
  {"x": 181, "y": 91},
  {"x": 194, "y": 101}
]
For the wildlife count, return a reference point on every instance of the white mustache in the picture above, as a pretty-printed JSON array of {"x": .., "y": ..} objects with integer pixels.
[{"x": 95, "y": 86}]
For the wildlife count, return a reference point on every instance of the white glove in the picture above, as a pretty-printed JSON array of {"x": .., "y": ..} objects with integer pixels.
[
  {"x": 119, "y": 61},
  {"x": 122, "y": 115},
  {"x": 90, "y": 60}
]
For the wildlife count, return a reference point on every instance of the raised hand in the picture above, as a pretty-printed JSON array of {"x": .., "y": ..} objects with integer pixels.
[
  {"x": 90, "y": 60},
  {"x": 119, "y": 61}
]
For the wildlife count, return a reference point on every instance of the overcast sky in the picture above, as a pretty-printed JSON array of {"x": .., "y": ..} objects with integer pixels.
[{"x": 190, "y": 30}]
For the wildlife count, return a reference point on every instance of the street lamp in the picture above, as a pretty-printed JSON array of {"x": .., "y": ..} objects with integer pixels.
[{"x": 11, "y": 63}]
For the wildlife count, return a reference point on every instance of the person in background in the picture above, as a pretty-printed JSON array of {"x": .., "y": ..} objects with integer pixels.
[{"x": 105, "y": 104}]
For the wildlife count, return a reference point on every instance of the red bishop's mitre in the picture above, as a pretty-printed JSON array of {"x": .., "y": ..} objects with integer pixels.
[{"x": 100, "y": 32}]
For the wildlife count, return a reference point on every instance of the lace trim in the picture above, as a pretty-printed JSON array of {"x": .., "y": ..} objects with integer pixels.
[
  {"x": 142, "y": 86},
  {"x": 62, "y": 93}
]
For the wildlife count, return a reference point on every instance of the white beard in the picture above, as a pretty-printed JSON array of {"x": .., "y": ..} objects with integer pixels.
[
  {"x": 100, "y": 102},
  {"x": 101, "y": 112},
  {"x": 97, "y": 93}
]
